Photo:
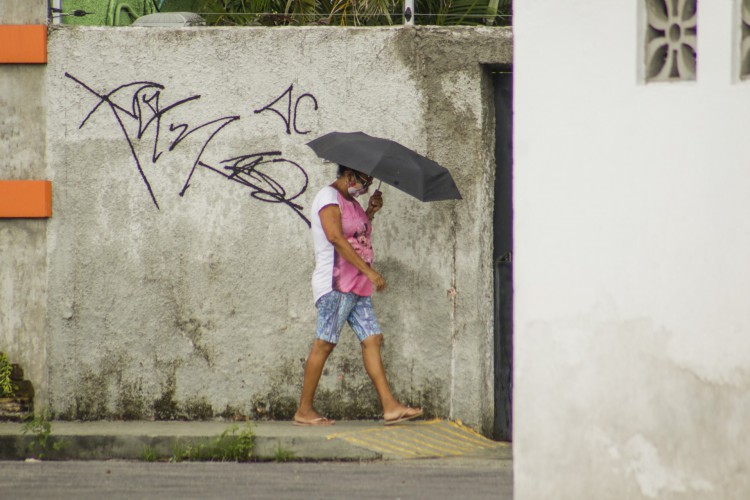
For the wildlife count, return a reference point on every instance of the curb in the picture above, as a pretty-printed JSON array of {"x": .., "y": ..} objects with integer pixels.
[
  {"x": 271, "y": 441},
  {"x": 164, "y": 448},
  {"x": 162, "y": 441}
]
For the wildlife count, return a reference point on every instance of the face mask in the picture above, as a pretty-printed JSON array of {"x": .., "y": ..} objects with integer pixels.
[
  {"x": 357, "y": 192},
  {"x": 353, "y": 191}
]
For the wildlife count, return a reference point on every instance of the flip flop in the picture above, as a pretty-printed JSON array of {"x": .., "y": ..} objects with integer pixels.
[
  {"x": 403, "y": 417},
  {"x": 314, "y": 422}
]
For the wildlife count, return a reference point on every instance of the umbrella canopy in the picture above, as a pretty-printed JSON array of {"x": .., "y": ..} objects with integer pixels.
[{"x": 389, "y": 162}]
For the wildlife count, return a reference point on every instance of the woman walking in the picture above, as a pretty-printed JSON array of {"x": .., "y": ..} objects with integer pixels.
[{"x": 343, "y": 283}]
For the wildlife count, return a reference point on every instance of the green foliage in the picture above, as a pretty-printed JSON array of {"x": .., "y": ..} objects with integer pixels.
[
  {"x": 41, "y": 429},
  {"x": 282, "y": 454},
  {"x": 344, "y": 12},
  {"x": 7, "y": 387},
  {"x": 228, "y": 447},
  {"x": 148, "y": 454},
  {"x": 463, "y": 12}
]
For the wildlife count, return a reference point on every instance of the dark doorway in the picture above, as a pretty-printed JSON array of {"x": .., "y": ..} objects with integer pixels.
[{"x": 503, "y": 255}]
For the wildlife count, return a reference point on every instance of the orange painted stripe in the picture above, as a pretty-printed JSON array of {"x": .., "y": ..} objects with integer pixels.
[
  {"x": 25, "y": 199},
  {"x": 23, "y": 43}
]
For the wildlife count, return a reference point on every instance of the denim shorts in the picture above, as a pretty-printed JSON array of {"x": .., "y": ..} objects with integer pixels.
[{"x": 335, "y": 308}]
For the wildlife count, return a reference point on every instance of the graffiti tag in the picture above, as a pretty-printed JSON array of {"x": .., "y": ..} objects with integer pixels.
[
  {"x": 289, "y": 115},
  {"x": 137, "y": 108},
  {"x": 252, "y": 171}
]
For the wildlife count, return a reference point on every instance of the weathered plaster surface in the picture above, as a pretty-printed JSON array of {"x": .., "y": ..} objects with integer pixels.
[
  {"x": 203, "y": 305},
  {"x": 23, "y": 246},
  {"x": 23, "y": 12},
  {"x": 437, "y": 58},
  {"x": 655, "y": 427}
]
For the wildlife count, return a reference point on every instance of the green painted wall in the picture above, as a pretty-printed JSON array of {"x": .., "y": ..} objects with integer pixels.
[{"x": 108, "y": 12}]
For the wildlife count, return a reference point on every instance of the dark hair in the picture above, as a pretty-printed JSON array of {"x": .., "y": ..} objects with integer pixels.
[{"x": 344, "y": 168}]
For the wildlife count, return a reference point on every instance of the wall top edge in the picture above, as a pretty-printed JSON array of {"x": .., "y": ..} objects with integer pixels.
[{"x": 483, "y": 44}]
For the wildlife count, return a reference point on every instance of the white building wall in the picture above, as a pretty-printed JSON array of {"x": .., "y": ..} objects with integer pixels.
[{"x": 632, "y": 355}]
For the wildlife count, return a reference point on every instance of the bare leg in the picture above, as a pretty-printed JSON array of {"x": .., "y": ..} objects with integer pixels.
[
  {"x": 374, "y": 367},
  {"x": 313, "y": 369}
]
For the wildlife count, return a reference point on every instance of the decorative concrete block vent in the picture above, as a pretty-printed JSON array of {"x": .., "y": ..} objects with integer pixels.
[
  {"x": 745, "y": 47},
  {"x": 671, "y": 40}
]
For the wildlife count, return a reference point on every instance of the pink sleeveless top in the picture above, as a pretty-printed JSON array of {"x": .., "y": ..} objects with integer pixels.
[
  {"x": 357, "y": 229},
  {"x": 333, "y": 272}
]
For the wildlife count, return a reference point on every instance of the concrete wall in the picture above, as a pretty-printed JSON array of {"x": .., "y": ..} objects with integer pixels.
[
  {"x": 170, "y": 301},
  {"x": 23, "y": 242},
  {"x": 632, "y": 346},
  {"x": 23, "y": 12}
]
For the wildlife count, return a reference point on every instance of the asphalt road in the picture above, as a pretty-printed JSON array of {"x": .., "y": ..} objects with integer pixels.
[
  {"x": 113, "y": 480},
  {"x": 403, "y": 479}
]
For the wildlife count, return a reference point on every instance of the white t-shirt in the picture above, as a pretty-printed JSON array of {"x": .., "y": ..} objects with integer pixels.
[
  {"x": 331, "y": 271},
  {"x": 321, "y": 278}
]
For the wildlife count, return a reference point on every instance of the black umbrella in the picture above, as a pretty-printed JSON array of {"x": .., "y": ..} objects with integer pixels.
[{"x": 389, "y": 162}]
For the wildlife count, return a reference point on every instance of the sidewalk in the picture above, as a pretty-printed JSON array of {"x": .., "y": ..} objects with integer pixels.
[{"x": 347, "y": 440}]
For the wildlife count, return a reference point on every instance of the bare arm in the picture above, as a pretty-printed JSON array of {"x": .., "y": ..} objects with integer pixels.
[
  {"x": 330, "y": 219},
  {"x": 375, "y": 204}
]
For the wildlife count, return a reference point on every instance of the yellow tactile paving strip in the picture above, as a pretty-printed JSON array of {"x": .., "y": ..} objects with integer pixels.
[{"x": 429, "y": 439}]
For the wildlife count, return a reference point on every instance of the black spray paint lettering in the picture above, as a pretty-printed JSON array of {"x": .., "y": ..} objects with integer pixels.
[
  {"x": 289, "y": 115},
  {"x": 252, "y": 171},
  {"x": 145, "y": 110}
]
